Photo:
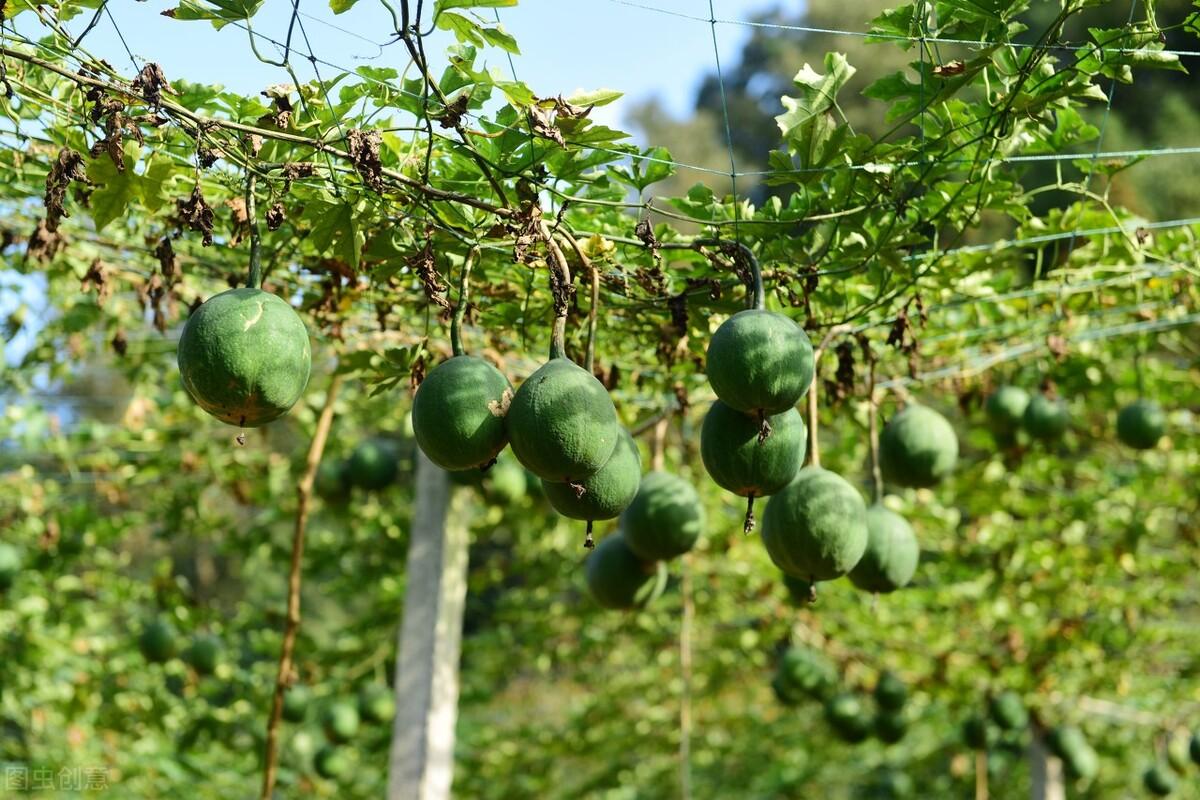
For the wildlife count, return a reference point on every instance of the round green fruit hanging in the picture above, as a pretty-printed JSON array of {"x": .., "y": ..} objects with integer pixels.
[
  {"x": 458, "y": 413},
  {"x": 332, "y": 762},
  {"x": 340, "y": 722},
  {"x": 890, "y": 692},
  {"x": 1008, "y": 711},
  {"x": 295, "y": 703},
  {"x": 1005, "y": 409},
  {"x": 562, "y": 424},
  {"x": 157, "y": 641},
  {"x": 1141, "y": 424},
  {"x": 204, "y": 654},
  {"x": 891, "y": 726},
  {"x": 739, "y": 459},
  {"x": 1159, "y": 780},
  {"x": 373, "y": 465},
  {"x": 244, "y": 357},
  {"x": 618, "y": 579},
  {"x": 760, "y": 362},
  {"x": 816, "y": 528},
  {"x": 1045, "y": 419},
  {"x": 892, "y": 553},
  {"x": 918, "y": 448},
  {"x": 607, "y": 492},
  {"x": 807, "y": 672},
  {"x": 848, "y": 717},
  {"x": 332, "y": 481},
  {"x": 665, "y": 518},
  {"x": 376, "y": 703}
]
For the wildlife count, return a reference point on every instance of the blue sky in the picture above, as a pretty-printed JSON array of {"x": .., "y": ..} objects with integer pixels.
[{"x": 566, "y": 44}]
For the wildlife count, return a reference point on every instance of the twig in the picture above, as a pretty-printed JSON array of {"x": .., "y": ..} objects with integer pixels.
[
  {"x": 461, "y": 309},
  {"x": 292, "y": 625},
  {"x": 254, "y": 276},
  {"x": 561, "y": 283}
]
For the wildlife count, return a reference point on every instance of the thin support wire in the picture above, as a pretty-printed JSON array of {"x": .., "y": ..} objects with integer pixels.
[{"x": 728, "y": 128}]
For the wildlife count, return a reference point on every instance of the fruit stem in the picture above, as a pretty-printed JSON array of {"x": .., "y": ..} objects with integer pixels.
[
  {"x": 588, "y": 541},
  {"x": 873, "y": 430},
  {"x": 461, "y": 309},
  {"x": 748, "y": 522},
  {"x": 254, "y": 277},
  {"x": 560, "y": 287},
  {"x": 757, "y": 297}
]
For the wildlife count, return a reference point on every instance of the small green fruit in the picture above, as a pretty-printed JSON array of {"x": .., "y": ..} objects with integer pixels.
[
  {"x": 458, "y": 413},
  {"x": 244, "y": 357},
  {"x": 376, "y": 703},
  {"x": 848, "y": 717},
  {"x": 807, "y": 672},
  {"x": 1160, "y": 780},
  {"x": 332, "y": 762},
  {"x": 373, "y": 465},
  {"x": 157, "y": 641},
  {"x": 340, "y": 722},
  {"x": 332, "y": 481},
  {"x": 892, "y": 553},
  {"x": 890, "y": 726},
  {"x": 1045, "y": 419},
  {"x": 665, "y": 519},
  {"x": 760, "y": 362},
  {"x": 918, "y": 448},
  {"x": 816, "y": 528},
  {"x": 1005, "y": 409},
  {"x": 1008, "y": 711},
  {"x": 562, "y": 424},
  {"x": 607, "y": 492},
  {"x": 890, "y": 692},
  {"x": 1141, "y": 424},
  {"x": 204, "y": 654},
  {"x": 295, "y": 703},
  {"x": 618, "y": 579}
]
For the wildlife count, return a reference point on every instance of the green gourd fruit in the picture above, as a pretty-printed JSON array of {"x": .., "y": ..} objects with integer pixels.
[
  {"x": 376, "y": 703},
  {"x": 807, "y": 672},
  {"x": 1141, "y": 424},
  {"x": 1005, "y": 409},
  {"x": 1008, "y": 711},
  {"x": 665, "y": 519},
  {"x": 295, "y": 703},
  {"x": 562, "y": 424},
  {"x": 605, "y": 493},
  {"x": 204, "y": 654},
  {"x": 760, "y": 362},
  {"x": 1045, "y": 419},
  {"x": 157, "y": 641},
  {"x": 10, "y": 565},
  {"x": 244, "y": 357},
  {"x": 891, "y": 693},
  {"x": 892, "y": 553},
  {"x": 332, "y": 481},
  {"x": 890, "y": 726},
  {"x": 816, "y": 528},
  {"x": 1194, "y": 748},
  {"x": 373, "y": 465},
  {"x": 978, "y": 734},
  {"x": 739, "y": 459},
  {"x": 332, "y": 762},
  {"x": 618, "y": 579},
  {"x": 340, "y": 722},
  {"x": 1159, "y": 780},
  {"x": 1069, "y": 744},
  {"x": 917, "y": 448},
  {"x": 848, "y": 717},
  {"x": 458, "y": 413}
]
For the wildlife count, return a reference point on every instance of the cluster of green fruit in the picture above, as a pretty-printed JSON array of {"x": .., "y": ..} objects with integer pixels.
[
  {"x": 1005, "y": 724},
  {"x": 371, "y": 466},
  {"x": 340, "y": 722},
  {"x": 1011, "y": 410},
  {"x": 804, "y": 673},
  {"x": 664, "y": 521},
  {"x": 1183, "y": 753},
  {"x": 562, "y": 426},
  {"x": 159, "y": 642}
]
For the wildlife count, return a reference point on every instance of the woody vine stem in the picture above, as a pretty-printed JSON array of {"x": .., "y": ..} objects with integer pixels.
[
  {"x": 461, "y": 309},
  {"x": 254, "y": 277}
]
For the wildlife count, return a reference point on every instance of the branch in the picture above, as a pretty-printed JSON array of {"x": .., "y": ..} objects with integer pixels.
[
  {"x": 560, "y": 284},
  {"x": 461, "y": 309},
  {"x": 303, "y": 492}
]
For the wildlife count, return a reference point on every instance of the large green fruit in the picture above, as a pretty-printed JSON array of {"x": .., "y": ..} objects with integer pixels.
[
  {"x": 736, "y": 458},
  {"x": 244, "y": 357},
  {"x": 760, "y": 362},
  {"x": 332, "y": 762},
  {"x": 1045, "y": 419},
  {"x": 10, "y": 565},
  {"x": 562, "y": 423},
  {"x": 892, "y": 553},
  {"x": 665, "y": 519},
  {"x": 807, "y": 672},
  {"x": 918, "y": 448},
  {"x": 890, "y": 726},
  {"x": 1005, "y": 409},
  {"x": 340, "y": 722},
  {"x": 376, "y": 703},
  {"x": 607, "y": 492},
  {"x": 458, "y": 413},
  {"x": 617, "y": 578},
  {"x": 1141, "y": 424},
  {"x": 373, "y": 465},
  {"x": 890, "y": 692},
  {"x": 1160, "y": 780},
  {"x": 1008, "y": 711},
  {"x": 204, "y": 654},
  {"x": 816, "y": 528},
  {"x": 295, "y": 703},
  {"x": 848, "y": 717},
  {"x": 157, "y": 640}
]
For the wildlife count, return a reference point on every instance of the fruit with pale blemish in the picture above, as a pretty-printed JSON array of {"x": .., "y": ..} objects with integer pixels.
[
  {"x": 244, "y": 357},
  {"x": 459, "y": 411},
  {"x": 760, "y": 362},
  {"x": 604, "y": 494},
  {"x": 562, "y": 424}
]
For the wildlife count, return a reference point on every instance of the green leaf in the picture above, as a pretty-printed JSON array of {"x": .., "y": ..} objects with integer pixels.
[
  {"x": 341, "y": 6},
  {"x": 597, "y": 97},
  {"x": 334, "y": 229},
  {"x": 443, "y": 5},
  {"x": 219, "y": 12},
  {"x": 157, "y": 183},
  {"x": 818, "y": 93},
  {"x": 115, "y": 190}
]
